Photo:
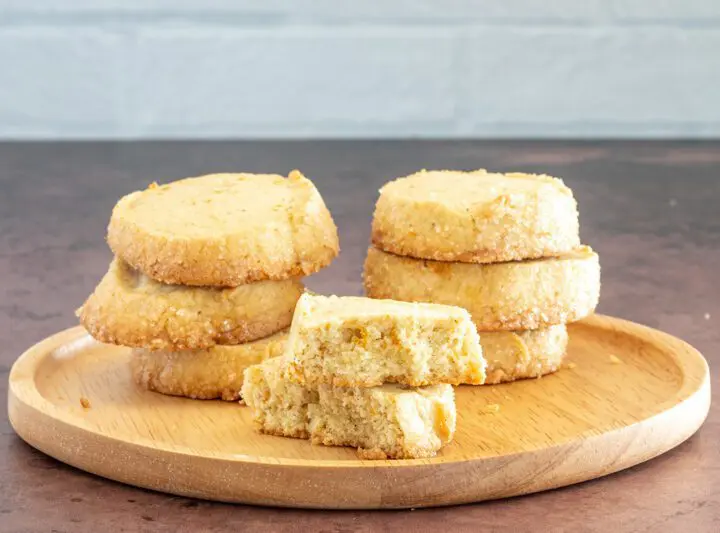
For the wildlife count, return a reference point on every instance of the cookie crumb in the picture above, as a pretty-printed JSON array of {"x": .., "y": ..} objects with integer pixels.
[
  {"x": 242, "y": 402},
  {"x": 491, "y": 408},
  {"x": 614, "y": 359},
  {"x": 85, "y": 402},
  {"x": 570, "y": 365}
]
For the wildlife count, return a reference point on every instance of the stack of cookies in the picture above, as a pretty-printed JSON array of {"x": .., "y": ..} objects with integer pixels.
[
  {"x": 376, "y": 375},
  {"x": 505, "y": 247},
  {"x": 206, "y": 276}
]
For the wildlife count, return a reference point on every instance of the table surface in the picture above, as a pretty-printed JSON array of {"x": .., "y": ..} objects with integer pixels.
[{"x": 649, "y": 208}]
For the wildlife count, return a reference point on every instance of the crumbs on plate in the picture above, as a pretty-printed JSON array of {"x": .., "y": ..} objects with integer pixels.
[{"x": 491, "y": 408}]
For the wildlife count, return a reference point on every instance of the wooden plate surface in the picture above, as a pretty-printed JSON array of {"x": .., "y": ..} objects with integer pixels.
[{"x": 632, "y": 394}]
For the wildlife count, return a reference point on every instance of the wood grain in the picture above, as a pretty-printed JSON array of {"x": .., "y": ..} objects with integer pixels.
[{"x": 632, "y": 393}]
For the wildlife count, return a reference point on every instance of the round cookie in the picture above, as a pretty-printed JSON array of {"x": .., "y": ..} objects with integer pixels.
[
  {"x": 513, "y": 355},
  {"x": 476, "y": 217},
  {"x": 204, "y": 374},
  {"x": 225, "y": 229},
  {"x": 499, "y": 296},
  {"x": 130, "y": 309}
]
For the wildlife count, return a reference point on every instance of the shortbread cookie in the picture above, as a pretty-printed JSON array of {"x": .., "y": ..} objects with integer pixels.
[
  {"x": 202, "y": 374},
  {"x": 476, "y": 217},
  {"x": 500, "y": 296},
  {"x": 360, "y": 342},
  {"x": 225, "y": 229},
  {"x": 513, "y": 355},
  {"x": 130, "y": 309},
  {"x": 383, "y": 422}
]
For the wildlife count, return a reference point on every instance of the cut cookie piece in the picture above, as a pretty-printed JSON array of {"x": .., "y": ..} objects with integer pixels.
[
  {"x": 513, "y": 355},
  {"x": 516, "y": 295},
  {"x": 383, "y": 422},
  {"x": 225, "y": 229},
  {"x": 389, "y": 421},
  {"x": 279, "y": 407},
  {"x": 476, "y": 217},
  {"x": 130, "y": 309},
  {"x": 360, "y": 342},
  {"x": 202, "y": 374}
]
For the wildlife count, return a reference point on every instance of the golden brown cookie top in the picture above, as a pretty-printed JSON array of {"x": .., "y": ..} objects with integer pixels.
[
  {"x": 212, "y": 205},
  {"x": 317, "y": 309},
  {"x": 458, "y": 189},
  {"x": 225, "y": 229},
  {"x": 476, "y": 216}
]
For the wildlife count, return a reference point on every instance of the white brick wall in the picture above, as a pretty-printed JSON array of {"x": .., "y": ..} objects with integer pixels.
[{"x": 377, "y": 68}]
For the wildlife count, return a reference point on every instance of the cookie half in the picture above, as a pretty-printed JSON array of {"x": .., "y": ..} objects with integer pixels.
[
  {"x": 348, "y": 341},
  {"x": 476, "y": 217},
  {"x": 385, "y": 422},
  {"x": 225, "y": 229},
  {"x": 130, "y": 309},
  {"x": 513, "y": 355},
  {"x": 202, "y": 374},
  {"x": 516, "y": 295}
]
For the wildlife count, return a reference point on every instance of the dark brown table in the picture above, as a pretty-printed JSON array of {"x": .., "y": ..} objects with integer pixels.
[{"x": 651, "y": 209}]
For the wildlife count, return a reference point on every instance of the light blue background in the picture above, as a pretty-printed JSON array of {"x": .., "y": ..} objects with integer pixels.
[{"x": 372, "y": 68}]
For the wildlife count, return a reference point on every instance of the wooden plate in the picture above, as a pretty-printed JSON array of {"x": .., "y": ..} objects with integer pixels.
[{"x": 633, "y": 394}]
